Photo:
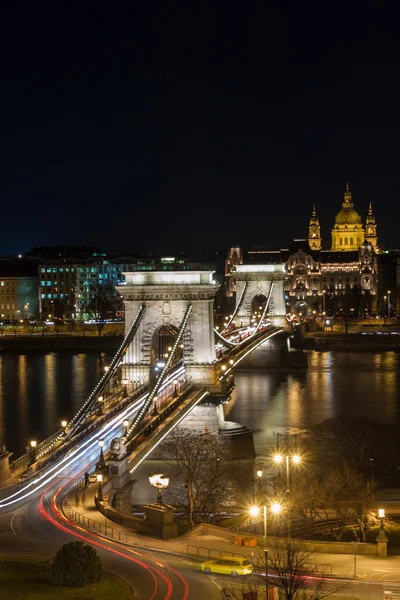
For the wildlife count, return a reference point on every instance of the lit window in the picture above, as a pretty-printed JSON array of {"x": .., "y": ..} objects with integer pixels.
[
  {"x": 2, "y": 283},
  {"x": 49, "y": 283},
  {"x": 42, "y": 270},
  {"x": 49, "y": 295}
]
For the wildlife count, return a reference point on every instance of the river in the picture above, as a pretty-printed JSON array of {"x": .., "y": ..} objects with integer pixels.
[{"x": 37, "y": 391}]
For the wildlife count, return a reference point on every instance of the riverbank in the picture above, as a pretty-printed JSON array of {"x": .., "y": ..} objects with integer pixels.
[
  {"x": 352, "y": 342},
  {"x": 53, "y": 343}
]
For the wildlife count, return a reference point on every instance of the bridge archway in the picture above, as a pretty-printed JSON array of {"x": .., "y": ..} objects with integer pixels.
[
  {"x": 253, "y": 281},
  {"x": 258, "y": 304}
]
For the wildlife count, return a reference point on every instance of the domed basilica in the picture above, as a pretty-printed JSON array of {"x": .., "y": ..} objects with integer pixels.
[
  {"x": 340, "y": 279},
  {"x": 348, "y": 233}
]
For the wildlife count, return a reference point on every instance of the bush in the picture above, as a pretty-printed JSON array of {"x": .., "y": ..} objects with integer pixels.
[{"x": 76, "y": 564}]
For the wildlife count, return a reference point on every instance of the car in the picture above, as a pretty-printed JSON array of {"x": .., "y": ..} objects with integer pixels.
[{"x": 228, "y": 566}]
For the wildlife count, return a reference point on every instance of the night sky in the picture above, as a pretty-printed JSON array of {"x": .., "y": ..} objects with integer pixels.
[{"x": 158, "y": 126}]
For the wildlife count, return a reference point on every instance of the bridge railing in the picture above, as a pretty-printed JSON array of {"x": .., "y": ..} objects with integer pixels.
[{"x": 159, "y": 429}]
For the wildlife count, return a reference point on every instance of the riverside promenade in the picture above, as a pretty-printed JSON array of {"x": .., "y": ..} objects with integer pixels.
[{"x": 209, "y": 541}]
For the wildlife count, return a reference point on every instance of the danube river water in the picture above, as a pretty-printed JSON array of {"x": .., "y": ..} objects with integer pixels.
[{"x": 37, "y": 391}]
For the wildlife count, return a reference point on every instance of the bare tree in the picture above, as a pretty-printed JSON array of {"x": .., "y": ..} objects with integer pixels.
[
  {"x": 292, "y": 570},
  {"x": 202, "y": 479},
  {"x": 296, "y": 573}
]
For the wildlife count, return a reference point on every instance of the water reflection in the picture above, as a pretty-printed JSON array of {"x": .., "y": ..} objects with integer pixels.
[
  {"x": 37, "y": 391},
  {"x": 274, "y": 401}
]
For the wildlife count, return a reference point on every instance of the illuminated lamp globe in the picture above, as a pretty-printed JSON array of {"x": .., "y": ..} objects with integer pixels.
[
  {"x": 254, "y": 511},
  {"x": 276, "y": 508}
]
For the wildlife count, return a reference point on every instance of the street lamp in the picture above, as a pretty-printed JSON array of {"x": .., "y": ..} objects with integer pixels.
[
  {"x": 160, "y": 482},
  {"x": 389, "y": 292},
  {"x": 106, "y": 369},
  {"x": 100, "y": 492},
  {"x": 275, "y": 509},
  {"x": 175, "y": 388},
  {"x": 33, "y": 444},
  {"x": 155, "y": 409},
  {"x": 381, "y": 515},
  {"x": 64, "y": 423},
  {"x": 125, "y": 391},
  {"x": 126, "y": 425},
  {"x": 296, "y": 459},
  {"x": 102, "y": 462}
]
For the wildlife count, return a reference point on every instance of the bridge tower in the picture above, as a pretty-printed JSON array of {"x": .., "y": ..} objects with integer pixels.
[
  {"x": 260, "y": 281},
  {"x": 166, "y": 296}
]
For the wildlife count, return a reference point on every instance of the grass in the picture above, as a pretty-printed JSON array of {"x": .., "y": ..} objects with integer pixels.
[{"x": 20, "y": 585}]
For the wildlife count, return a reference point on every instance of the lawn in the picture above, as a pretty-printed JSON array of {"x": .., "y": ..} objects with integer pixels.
[{"x": 21, "y": 585}]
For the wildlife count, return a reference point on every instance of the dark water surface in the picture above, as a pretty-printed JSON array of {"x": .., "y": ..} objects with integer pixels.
[
  {"x": 37, "y": 391},
  {"x": 343, "y": 383}
]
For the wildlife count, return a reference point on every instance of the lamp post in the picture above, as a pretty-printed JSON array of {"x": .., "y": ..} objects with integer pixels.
[
  {"x": 381, "y": 515},
  {"x": 275, "y": 509},
  {"x": 102, "y": 462},
  {"x": 64, "y": 423},
  {"x": 155, "y": 409},
  {"x": 125, "y": 391},
  {"x": 296, "y": 459},
  {"x": 160, "y": 482},
  {"x": 126, "y": 425},
  {"x": 388, "y": 306},
  {"x": 175, "y": 388},
  {"x": 33, "y": 445},
  {"x": 100, "y": 492}
]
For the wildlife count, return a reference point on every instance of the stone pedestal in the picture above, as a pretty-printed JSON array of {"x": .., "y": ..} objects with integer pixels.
[
  {"x": 382, "y": 542},
  {"x": 120, "y": 484},
  {"x": 161, "y": 519},
  {"x": 5, "y": 472}
]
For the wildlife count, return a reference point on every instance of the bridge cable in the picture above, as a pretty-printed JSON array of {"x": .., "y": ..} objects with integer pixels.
[
  {"x": 237, "y": 307},
  {"x": 141, "y": 413},
  {"x": 115, "y": 362}
]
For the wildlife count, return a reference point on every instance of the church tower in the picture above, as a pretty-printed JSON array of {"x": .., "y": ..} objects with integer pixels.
[
  {"x": 348, "y": 231},
  {"x": 314, "y": 231},
  {"x": 371, "y": 235}
]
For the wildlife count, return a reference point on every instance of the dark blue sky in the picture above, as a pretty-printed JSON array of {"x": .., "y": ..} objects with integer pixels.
[{"x": 177, "y": 125}]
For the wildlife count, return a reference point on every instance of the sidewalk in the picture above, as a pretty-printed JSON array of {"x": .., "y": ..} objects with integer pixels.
[{"x": 367, "y": 567}]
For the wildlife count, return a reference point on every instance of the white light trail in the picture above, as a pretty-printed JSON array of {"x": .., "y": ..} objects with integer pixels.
[{"x": 81, "y": 451}]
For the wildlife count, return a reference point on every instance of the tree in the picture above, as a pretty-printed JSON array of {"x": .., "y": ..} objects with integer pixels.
[
  {"x": 76, "y": 564},
  {"x": 202, "y": 479},
  {"x": 297, "y": 576}
]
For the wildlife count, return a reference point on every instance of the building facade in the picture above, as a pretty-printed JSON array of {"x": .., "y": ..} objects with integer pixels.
[
  {"x": 342, "y": 279},
  {"x": 18, "y": 290}
]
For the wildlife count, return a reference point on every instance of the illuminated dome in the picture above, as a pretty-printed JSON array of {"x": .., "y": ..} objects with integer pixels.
[
  {"x": 348, "y": 231},
  {"x": 348, "y": 216}
]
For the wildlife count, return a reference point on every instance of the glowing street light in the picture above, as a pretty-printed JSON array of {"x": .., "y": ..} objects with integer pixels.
[
  {"x": 160, "y": 482},
  {"x": 64, "y": 423},
  {"x": 102, "y": 462},
  {"x": 125, "y": 383},
  {"x": 99, "y": 481},
  {"x": 126, "y": 425}
]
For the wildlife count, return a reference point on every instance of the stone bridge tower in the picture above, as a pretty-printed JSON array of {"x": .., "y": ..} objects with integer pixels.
[
  {"x": 253, "y": 281},
  {"x": 166, "y": 295}
]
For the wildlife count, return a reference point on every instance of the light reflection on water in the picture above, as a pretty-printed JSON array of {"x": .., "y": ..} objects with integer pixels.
[
  {"x": 360, "y": 385},
  {"x": 37, "y": 391}
]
